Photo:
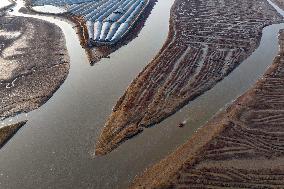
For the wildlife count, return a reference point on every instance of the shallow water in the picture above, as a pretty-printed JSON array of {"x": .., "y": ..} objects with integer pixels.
[{"x": 54, "y": 149}]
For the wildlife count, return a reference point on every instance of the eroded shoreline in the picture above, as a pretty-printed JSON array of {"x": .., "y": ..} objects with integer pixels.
[{"x": 245, "y": 139}]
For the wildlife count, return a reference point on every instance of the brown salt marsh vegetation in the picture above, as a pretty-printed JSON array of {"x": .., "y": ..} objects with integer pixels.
[
  {"x": 241, "y": 147},
  {"x": 207, "y": 40}
]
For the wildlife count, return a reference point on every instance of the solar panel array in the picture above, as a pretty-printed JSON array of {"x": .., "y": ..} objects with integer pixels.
[{"x": 107, "y": 20}]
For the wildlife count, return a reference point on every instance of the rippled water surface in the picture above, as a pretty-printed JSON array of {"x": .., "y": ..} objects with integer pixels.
[{"x": 54, "y": 149}]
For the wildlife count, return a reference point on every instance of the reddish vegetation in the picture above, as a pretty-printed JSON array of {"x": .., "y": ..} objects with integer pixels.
[
  {"x": 207, "y": 40},
  {"x": 243, "y": 147}
]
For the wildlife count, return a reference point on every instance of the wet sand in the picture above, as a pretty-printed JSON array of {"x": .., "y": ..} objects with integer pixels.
[
  {"x": 8, "y": 131},
  {"x": 34, "y": 63},
  {"x": 207, "y": 40},
  {"x": 242, "y": 147}
]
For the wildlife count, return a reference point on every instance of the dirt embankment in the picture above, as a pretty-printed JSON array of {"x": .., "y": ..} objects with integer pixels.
[
  {"x": 242, "y": 147},
  {"x": 207, "y": 40},
  {"x": 34, "y": 62},
  {"x": 9, "y": 131}
]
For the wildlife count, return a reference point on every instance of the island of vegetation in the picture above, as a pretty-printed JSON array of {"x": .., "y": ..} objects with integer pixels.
[
  {"x": 242, "y": 147},
  {"x": 207, "y": 40}
]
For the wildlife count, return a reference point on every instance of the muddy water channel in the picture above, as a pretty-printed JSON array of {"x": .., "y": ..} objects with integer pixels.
[{"x": 54, "y": 149}]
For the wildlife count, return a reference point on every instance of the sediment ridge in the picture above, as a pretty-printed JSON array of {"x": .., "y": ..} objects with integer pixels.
[
  {"x": 242, "y": 147},
  {"x": 206, "y": 41},
  {"x": 8, "y": 131}
]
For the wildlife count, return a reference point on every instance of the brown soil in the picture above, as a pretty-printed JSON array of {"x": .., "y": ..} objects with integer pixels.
[
  {"x": 207, "y": 40},
  {"x": 8, "y": 131},
  {"x": 33, "y": 63},
  {"x": 242, "y": 147}
]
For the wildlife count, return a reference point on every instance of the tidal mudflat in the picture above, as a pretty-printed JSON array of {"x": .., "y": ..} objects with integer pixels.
[
  {"x": 242, "y": 147},
  {"x": 34, "y": 63},
  {"x": 207, "y": 40},
  {"x": 55, "y": 148}
]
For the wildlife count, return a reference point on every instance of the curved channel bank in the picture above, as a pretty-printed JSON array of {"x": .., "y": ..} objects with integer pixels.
[
  {"x": 54, "y": 149},
  {"x": 239, "y": 148}
]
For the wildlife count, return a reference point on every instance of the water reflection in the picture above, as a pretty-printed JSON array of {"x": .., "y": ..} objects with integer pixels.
[{"x": 53, "y": 150}]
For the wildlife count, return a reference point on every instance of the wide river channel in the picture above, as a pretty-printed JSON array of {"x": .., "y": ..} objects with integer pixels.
[{"x": 55, "y": 148}]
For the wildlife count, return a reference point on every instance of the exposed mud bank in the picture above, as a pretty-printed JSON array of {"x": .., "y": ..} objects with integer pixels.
[
  {"x": 207, "y": 40},
  {"x": 33, "y": 63},
  {"x": 8, "y": 131},
  {"x": 242, "y": 147}
]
